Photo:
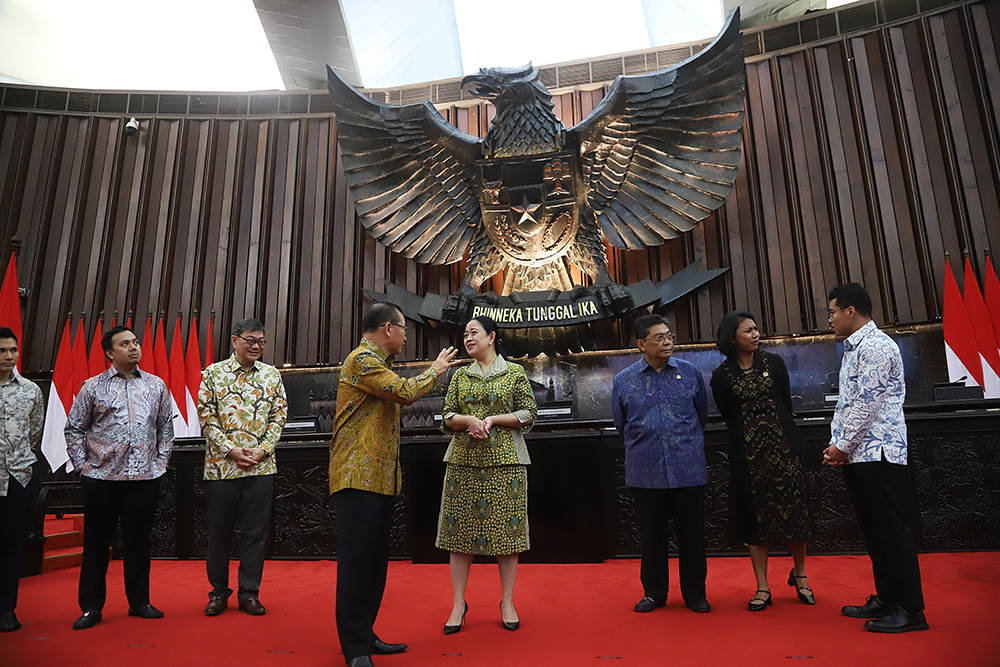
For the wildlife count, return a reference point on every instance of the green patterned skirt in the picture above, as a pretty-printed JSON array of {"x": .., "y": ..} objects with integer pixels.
[{"x": 484, "y": 511}]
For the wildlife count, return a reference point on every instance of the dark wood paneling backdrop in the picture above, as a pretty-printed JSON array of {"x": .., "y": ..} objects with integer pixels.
[{"x": 867, "y": 156}]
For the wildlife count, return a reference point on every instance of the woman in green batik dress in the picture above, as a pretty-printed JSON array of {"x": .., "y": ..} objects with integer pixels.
[{"x": 484, "y": 504}]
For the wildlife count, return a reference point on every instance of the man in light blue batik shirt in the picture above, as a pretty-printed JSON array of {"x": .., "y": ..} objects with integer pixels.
[{"x": 868, "y": 437}]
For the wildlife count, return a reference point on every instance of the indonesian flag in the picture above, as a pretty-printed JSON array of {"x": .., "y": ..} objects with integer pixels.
[
  {"x": 60, "y": 401},
  {"x": 177, "y": 384},
  {"x": 146, "y": 362},
  {"x": 192, "y": 380},
  {"x": 97, "y": 361},
  {"x": 989, "y": 358},
  {"x": 960, "y": 347},
  {"x": 991, "y": 295},
  {"x": 162, "y": 365},
  {"x": 81, "y": 371},
  {"x": 10, "y": 306}
]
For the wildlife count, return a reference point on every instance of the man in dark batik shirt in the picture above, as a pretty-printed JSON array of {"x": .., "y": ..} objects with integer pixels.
[{"x": 660, "y": 408}]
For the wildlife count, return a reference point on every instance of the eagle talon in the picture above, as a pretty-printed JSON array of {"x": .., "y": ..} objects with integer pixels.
[
  {"x": 615, "y": 298},
  {"x": 457, "y": 305}
]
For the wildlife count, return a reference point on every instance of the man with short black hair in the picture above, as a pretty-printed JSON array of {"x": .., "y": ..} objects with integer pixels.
[
  {"x": 242, "y": 410},
  {"x": 22, "y": 413},
  {"x": 364, "y": 473},
  {"x": 660, "y": 407},
  {"x": 868, "y": 437},
  {"x": 119, "y": 434}
]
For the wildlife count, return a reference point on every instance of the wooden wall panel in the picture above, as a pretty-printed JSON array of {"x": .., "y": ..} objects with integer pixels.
[{"x": 865, "y": 158}]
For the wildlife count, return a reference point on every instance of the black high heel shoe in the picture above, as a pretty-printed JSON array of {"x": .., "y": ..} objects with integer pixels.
[
  {"x": 452, "y": 629},
  {"x": 508, "y": 626},
  {"x": 804, "y": 592},
  {"x": 764, "y": 602}
]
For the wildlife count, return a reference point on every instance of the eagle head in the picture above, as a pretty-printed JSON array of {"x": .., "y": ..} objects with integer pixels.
[{"x": 506, "y": 86}]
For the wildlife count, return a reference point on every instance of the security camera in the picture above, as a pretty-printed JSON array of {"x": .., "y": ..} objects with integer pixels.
[{"x": 131, "y": 127}]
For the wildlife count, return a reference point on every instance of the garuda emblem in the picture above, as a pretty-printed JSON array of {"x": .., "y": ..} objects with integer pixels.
[{"x": 657, "y": 156}]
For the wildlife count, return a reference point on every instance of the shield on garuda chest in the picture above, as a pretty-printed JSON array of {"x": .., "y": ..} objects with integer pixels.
[{"x": 529, "y": 206}]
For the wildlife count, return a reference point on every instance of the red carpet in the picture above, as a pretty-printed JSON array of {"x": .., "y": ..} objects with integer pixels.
[{"x": 571, "y": 615}]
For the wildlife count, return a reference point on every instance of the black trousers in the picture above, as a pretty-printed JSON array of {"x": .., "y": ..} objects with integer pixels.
[
  {"x": 364, "y": 520},
  {"x": 686, "y": 506},
  {"x": 104, "y": 503},
  {"x": 12, "y": 507},
  {"x": 877, "y": 490},
  {"x": 246, "y": 500}
]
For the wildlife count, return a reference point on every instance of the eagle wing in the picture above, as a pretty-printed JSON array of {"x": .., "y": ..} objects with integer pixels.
[
  {"x": 661, "y": 150},
  {"x": 410, "y": 172}
]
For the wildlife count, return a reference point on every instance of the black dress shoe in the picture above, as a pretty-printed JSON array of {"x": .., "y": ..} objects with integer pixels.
[
  {"x": 87, "y": 620},
  {"x": 898, "y": 621},
  {"x": 648, "y": 604},
  {"x": 805, "y": 594},
  {"x": 759, "y": 602},
  {"x": 216, "y": 605},
  {"x": 508, "y": 625},
  {"x": 452, "y": 629},
  {"x": 253, "y": 607},
  {"x": 700, "y": 606},
  {"x": 9, "y": 622},
  {"x": 146, "y": 611},
  {"x": 381, "y": 648},
  {"x": 873, "y": 608},
  {"x": 360, "y": 661}
]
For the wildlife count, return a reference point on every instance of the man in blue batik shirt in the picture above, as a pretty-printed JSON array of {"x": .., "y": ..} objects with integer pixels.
[
  {"x": 660, "y": 408},
  {"x": 868, "y": 437}
]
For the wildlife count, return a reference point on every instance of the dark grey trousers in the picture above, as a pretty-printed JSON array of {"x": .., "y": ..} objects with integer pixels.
[{"x": 246, "y": 500}]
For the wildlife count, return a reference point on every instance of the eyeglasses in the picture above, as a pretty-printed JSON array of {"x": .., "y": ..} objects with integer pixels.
[
  {"x": 259, "y": 342},
  {"x": 661, "y": 338},
  {"x": 401, "y": 326},
  {"x": 831, "y": 311}
]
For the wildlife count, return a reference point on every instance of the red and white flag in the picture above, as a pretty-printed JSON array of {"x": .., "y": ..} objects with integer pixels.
[
  {"x": 97, "y": 362},
  {"x": 177, "y": 384},
  {"x": 60, "y": 401},
  {"x": 146, "y": 362},
  {"x": 162, "y": 364},
  {"x": 192, "y": 380},
  {"x": 989, "y": 358},
  {"x": 10, "y": 306},
  {"x": 991, "y": 296},
  {"x": 960, "y": 347}
]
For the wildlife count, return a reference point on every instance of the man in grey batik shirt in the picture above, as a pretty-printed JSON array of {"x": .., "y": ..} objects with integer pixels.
[{"x": 21, "y": 416}]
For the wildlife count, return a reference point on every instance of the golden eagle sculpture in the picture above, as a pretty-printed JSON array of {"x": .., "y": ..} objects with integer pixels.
[{"x": 657, "y": 156}]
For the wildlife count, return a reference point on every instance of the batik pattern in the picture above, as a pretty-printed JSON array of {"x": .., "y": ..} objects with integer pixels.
[
  {"x": 240, "y": 408},
  {"x": 364, "y": 453},
  {"x": 120, "y": 427}
]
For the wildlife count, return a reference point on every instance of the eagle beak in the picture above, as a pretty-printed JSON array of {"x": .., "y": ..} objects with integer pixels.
[{"x": 479, "y": 86}]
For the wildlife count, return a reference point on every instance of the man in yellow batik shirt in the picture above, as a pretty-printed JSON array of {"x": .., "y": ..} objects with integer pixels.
[
  {"x": 242, "y": 409},
  {"x": 365, "y": 475}
]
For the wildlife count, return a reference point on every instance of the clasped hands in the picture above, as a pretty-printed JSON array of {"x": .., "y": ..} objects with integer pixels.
[
  {"x": 479, "y": 428},
  {"x": 833, "y": 456},
  {"x": 247, "y": 457}
]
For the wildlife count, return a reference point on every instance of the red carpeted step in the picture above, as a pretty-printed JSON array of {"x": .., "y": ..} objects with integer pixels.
[
  {"x": 57, "y": 559},
  {"x": 68, "y": 523},
  {"x": 62, "y": 540}
]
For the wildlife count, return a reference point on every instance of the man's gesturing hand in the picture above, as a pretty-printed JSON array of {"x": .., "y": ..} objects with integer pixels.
[{"x": 445, "y": 360}]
